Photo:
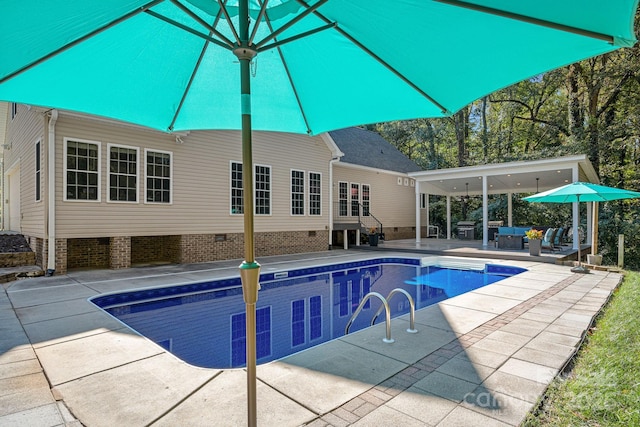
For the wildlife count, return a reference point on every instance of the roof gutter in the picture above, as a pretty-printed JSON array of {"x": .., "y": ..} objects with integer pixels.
[{"x": 51, "y": 194}]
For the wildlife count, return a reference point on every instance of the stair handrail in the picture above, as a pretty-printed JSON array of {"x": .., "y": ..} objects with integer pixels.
[
  {"x": 412, "y": 309},
  {"x": 385, "y": 306}
]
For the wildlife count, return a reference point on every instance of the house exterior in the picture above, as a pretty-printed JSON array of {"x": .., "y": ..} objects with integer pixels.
[{"x": 97, "y": 193}]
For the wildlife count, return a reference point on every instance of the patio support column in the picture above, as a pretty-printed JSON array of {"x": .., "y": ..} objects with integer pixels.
[
  {"x": 485, "y": 213},
  {"x": 575, "y": 212},
  {"x": 589, "y": 232},
  {"x": 345, "y": 240},
  {"x": 509, "y": 209},
  {"x": 448, "y": 217},
  {"x": 417, "y": 187}
]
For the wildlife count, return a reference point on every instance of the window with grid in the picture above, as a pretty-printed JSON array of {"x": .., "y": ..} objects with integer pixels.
[
  {"x": 158, "y": 177},
  {"x": 297, "y": 323},
  {"x": 123, "y": 174},
  {"x": 315, "y": 193},
  {"x": 366, "y": 199},
  {"x": 263, "y": 190},
  {"x": 355, "y": 199},
  {"x": 297, "y": 192},
  {"x": 237, "y": 202},
  {"x": 38, "y": 172},
  {"x": 82, "y": 170},
  {"x": 239, "y": 336},
  {"x": 315, "y": 317},
  {"x": 343, "y": 194}
]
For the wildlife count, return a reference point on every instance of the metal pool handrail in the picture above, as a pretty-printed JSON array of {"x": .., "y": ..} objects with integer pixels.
[
  {"x": 385, "y": 305},
  {"x": 412, "y": 311}
]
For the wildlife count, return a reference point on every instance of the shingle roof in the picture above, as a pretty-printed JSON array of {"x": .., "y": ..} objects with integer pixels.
[{"x": 365, "y": 148}]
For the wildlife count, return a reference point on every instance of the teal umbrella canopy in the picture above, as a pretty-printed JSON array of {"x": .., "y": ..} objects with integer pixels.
[
  {"x": 319, "y": 65},
  {"x": 582, "y": 192}
]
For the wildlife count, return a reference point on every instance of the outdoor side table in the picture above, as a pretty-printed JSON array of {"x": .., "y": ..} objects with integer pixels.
[{"x": 510, "y": 241}]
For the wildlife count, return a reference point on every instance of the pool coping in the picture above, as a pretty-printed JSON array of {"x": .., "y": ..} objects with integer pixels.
[{"x": 488, "y": 358}]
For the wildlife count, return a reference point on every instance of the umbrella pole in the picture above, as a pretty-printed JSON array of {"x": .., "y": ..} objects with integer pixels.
[
  {"x": 249, "y": 269},
  {"x": 579, "y": 268}
]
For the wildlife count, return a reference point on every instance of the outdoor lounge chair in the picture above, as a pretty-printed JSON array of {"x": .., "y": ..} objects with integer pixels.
[{"x": 548, "y": 241}]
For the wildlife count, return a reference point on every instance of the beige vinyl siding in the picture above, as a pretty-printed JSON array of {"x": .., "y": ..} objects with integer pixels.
[
  {"x": 200, "y": 182},
  {"x": 23, "y": 131},
  {"x": 390, "y": 203}
]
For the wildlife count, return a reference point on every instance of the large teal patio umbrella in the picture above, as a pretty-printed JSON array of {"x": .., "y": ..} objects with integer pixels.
[
  {"x": 304, "y": 66},
  {"x": 577, "y": 192}
]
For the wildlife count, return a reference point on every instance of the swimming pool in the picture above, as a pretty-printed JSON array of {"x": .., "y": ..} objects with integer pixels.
[{"x": 204, "y": 323}]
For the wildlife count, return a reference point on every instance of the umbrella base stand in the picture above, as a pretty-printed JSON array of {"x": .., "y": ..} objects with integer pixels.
[{"x": 580, "y": 269}]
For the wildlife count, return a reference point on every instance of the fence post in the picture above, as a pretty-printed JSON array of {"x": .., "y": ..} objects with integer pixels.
[{"x": 620, "y": 250}]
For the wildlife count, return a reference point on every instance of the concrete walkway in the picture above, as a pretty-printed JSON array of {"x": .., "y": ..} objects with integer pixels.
[{"x": 482, "y": 358}]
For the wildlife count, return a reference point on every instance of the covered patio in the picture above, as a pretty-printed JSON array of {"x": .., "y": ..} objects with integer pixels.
[{"x": 501, "y": 178}]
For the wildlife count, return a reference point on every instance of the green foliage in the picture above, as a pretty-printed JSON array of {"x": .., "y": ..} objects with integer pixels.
[{"x": 590, "y": 107}]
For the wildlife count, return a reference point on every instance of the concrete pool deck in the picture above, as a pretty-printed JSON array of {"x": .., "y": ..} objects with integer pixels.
[{"x": 481, "y": 358}]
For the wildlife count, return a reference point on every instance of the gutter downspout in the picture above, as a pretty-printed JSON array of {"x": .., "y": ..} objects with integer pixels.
[
  {"x": 331, "y": 207},
  {"x": 51, "y": 194}
]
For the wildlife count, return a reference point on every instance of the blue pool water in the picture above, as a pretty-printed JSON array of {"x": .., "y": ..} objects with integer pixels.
[{"x": 204, "y": 323}]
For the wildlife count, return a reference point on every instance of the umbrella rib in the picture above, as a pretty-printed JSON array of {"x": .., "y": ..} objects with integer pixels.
[
  {"x": 298, "y": 36},
  {"x": 276, "y": 33},
  {"x": 189, "y": 29},
  {"x": 388, "y": 66},
  {"x": 193, "y": 75},
  {"x": 223, "y": 8},
  {"x": 203, "y": 23},
  {"x": 293, "y": 86},
  {"x": 80, "y": 40},
  {"x": 529, "y": 19},
  {"x": 263, "y": 11}
]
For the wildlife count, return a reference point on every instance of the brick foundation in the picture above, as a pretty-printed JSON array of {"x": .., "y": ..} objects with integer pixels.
[
  {"x": 120, "y": 252},
  {"x": 123, "y": 251}
]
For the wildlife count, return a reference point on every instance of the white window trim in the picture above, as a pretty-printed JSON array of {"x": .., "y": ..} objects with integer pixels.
[
  {"x": 146, "y": 150},
  {"x": 38, "y": 177},
  {"x": 231, "y": 162},
  {"x": 304, "y": 193},
  {"x": 309, "y": 196},
  {"x": 64, "y": 170},
  {"x": 137, "y": 149},
  {"x": 347, "y": 199},
  {"x": 351, "y": 184},
  {"x": 255, "y": 205}
]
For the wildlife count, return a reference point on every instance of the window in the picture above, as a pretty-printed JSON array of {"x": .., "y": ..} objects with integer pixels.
[
  {"x": 297, "y": 192},
  {"x": 423, "y": 201},
  {"x": 355, "y": 199},
  {"x": 82, "y": 170},
  {"x": 38, "y": 172},
  {"x": 158, "y": 176},
  {"x": 315, "y": 193},
  {"x": 262, "y": 190},
  {"x": 14, "y": 110},
  {"x": 239, "y": 336},
  {"x": 343, "y": 194},
  {"x": 123, "y": 174},
  {"x": 366, "y": 200},
  {"x": 315, "y": 317},
  {"x": 297, "y": 323},
  {"x": 237, "y": 202}
]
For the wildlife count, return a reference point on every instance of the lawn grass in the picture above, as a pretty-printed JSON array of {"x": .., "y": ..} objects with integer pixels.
[{"x": 603, "y": 388}]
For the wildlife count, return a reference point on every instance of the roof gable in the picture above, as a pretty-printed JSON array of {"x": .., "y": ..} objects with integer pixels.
[{"x": 365, "y": 148}]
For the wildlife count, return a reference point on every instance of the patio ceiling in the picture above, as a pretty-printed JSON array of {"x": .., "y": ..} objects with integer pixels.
[{"x": 511, "y": 177}]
